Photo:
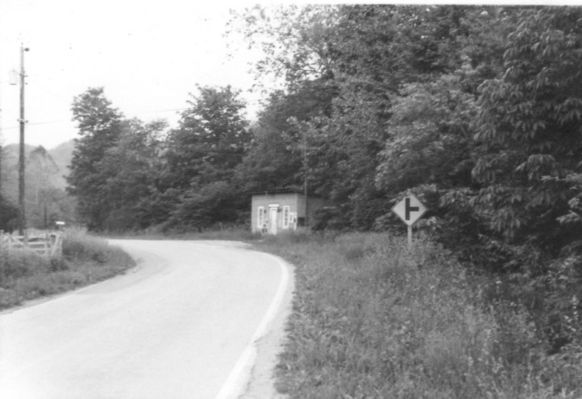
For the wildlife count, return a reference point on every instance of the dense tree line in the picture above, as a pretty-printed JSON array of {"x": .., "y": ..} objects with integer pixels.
[{"x": 477, "y": 110}]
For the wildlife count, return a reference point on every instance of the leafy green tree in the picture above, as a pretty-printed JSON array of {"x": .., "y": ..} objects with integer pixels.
[
  {"x": 210, "y": 140},
  {"x": 210, "y": 204},
  {"x": 530, "y": 131},
  {"x": 430, "y": 137},
  {"x": 295, "y": 40},
  {"x": 275, "y": 158},
  {"x": 529, "y": 166},
  {"x": 100, "y": 127},
  {"x": 134, "y": 165},
  {"x": 203, "y": 151}
]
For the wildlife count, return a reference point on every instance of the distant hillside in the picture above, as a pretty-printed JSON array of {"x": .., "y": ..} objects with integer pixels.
[
  {"x": 10, "y": 170},
  {"x": 62, "y": 155},
  {"x": 46, "y": 198},
  {"x": 53, "y": 163}
]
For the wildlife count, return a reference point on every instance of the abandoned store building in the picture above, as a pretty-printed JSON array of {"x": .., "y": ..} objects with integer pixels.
[{"x": 277, "y": 212}]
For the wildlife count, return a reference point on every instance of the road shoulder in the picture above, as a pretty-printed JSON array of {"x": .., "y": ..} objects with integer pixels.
[{"x": 261, "y": 384}]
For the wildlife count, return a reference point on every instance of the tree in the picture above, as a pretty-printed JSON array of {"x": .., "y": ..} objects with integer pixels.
[
  {"x": 203, "y": 151},
  {"x": 100, "y": 126},
  {"x": 134, "y": 166},
  {"x": 295, "y": 40},
  {"x": 529, "y": 131},
  {"x": 430, "y": 137},
  {"x": 210, "y": 140},
  {"x": 528, "y": 164},
  {"x": 275, "y": 158}
]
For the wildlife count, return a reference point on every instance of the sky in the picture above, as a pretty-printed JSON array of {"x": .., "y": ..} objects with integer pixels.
[{"x": 147, "y": 54}]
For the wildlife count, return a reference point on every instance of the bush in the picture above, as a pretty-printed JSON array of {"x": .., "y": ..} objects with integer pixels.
[
  {"x": 8, "y": 214},
  {"x": 18, "y": 264},
  {"x": 81, "y": 247}
]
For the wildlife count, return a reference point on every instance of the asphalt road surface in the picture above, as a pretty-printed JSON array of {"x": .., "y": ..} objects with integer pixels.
[{"x": 183, "y": 324}]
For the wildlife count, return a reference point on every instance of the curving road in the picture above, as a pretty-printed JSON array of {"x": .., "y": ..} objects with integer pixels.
[{"x": 183, "y": 324}]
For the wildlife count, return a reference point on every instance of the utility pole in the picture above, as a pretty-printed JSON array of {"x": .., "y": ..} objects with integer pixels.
[
  {"x": 1, "y": 143},
  {"x": 21, "y": 158},
  {"x": 305, "y": 177}
]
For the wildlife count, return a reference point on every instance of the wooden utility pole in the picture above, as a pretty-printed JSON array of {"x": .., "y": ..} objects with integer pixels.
[
  {"x": 1, "y": 152},
  {"x": 305, "y": 177},
  {"x": 21, "y": 158},
  {"x": 1, "y": 144}
]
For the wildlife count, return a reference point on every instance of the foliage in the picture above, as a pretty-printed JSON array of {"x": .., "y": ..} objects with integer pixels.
[
  {"x": 282, "y": 144},
  {"x": 529, "y": 132},
  {"x": 201, "y": 158},
  {"x": 134, "y": 165},
  {"x": 25, "y": 275},
  {"x": 100, "y": 126},
  {"x": 373, "y": 319},
  {"x": 430, "y": 137},
  {"x": 8, "y": 215},
  {"x": 210, "y": 140},
  {"x": 475, "y": 109},
  {"x": 295, "y": 40}
]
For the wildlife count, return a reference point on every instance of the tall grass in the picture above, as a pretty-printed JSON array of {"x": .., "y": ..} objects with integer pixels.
[
  {"x": 24, "y": 275},
  {"x": 372, "y": 319}
]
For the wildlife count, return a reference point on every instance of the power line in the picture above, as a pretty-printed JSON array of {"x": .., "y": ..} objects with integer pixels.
[
  {"x": 54, "y": 122},
  {"x": 36, "y": 123},
  {"x": 64, "y": 121}
]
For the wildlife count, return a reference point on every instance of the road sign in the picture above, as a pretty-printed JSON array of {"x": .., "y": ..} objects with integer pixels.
[{"x": 410, "y": 209}]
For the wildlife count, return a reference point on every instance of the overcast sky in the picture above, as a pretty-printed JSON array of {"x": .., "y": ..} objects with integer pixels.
[{"x": 148, "y": 54}]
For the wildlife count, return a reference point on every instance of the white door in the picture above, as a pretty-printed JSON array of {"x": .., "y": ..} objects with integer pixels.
[{"x": 273, "y": 219}]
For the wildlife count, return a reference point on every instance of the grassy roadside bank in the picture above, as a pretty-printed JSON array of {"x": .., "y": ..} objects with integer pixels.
[
  {"x": 25, "y": 275},
  {"x": 374, "y": 320}
]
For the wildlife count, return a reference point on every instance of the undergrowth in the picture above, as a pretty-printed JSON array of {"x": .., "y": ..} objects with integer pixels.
[
  {"x": 25, "y": 275},
  {"x": 372, "y": 319}
]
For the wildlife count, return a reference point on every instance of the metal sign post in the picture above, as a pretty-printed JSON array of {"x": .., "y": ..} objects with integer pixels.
[{"x": 409, "y": 209}]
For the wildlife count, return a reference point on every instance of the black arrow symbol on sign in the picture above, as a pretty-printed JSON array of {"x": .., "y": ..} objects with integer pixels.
[{"x": 408, "y": 208}]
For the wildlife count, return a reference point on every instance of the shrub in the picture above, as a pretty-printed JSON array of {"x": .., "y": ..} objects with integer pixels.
[
  {"x": 17, "y": 264},
  {"x": 79, "y": 246}
]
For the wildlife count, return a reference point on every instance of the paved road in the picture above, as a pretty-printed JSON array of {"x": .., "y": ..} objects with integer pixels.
[{"x": 181, "y": 325}]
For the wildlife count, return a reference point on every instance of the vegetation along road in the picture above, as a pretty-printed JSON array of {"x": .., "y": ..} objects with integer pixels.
[{"x": 184, "y": 324}]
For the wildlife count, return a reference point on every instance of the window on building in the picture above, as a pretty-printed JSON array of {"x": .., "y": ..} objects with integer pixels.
[
  {"x": 286, "y": 216},
  {"x": 261, "y": 217}
]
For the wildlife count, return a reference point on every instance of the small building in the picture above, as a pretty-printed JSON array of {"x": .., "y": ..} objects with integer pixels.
[{"x": 274, "y": 213}]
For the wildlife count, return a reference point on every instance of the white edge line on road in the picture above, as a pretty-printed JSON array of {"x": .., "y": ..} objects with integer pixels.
[{"x": 240, "y": 373}]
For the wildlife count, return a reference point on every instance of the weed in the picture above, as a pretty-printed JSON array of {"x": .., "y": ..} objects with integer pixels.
[
  {"x": 25, "y": 275},
  {"x": 373, "y": 319}
]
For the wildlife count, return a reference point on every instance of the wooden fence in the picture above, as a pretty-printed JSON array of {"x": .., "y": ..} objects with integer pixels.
[{"x": 45, "y": 244}]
